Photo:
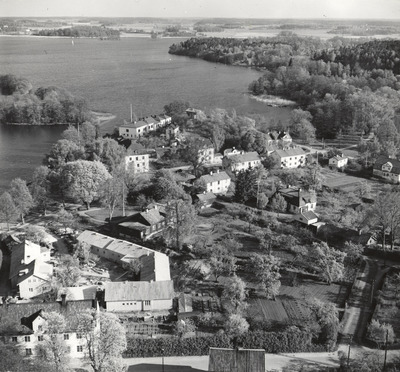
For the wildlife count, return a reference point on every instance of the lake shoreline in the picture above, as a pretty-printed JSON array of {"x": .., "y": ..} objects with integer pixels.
[{"x": 100, "y": 117}]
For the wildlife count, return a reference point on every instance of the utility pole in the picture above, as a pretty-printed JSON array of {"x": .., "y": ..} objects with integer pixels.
[
  {"x": 348, "y": 354},
  {"x": 386, "y": 342}
]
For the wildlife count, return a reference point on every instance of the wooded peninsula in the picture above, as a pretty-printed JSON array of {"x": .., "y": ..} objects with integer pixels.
[
  {"x": 342, "y": 85},
  {"x": 21, "y": 104}
]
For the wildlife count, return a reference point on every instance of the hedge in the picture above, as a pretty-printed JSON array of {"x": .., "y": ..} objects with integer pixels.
[{"x": 272, "y": 342}]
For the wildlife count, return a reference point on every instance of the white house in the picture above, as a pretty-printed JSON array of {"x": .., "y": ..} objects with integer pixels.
[
  {"x": 290, "y": 158},
  {"x": 217, "y": 183},
  {"x": 133, "y": 130},
  {"x": 387, "y": 168},
  {"x": 28, "y": 325},
  {"x": 298, "y": 200},
  {"x": 306, "y": 217},
  {"x": 138, "y": 163},
  {"x": 139, "y": 296},
  {"x": 29, "y": 273},
  {"x": 240, "y": 160},
  {"x": 338, "y": 161}
]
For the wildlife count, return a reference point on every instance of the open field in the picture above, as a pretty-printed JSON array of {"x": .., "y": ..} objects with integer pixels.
[{"x": 341, "y": 181}]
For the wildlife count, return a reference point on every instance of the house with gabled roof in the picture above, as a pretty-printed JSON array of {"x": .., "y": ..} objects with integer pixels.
[
  {"x": 26, "y": 325},
  {"x": 387, "y": 168},
  {"x": 290, "y": 157},
  {"x": 206, "y": 199},
  {"x": 275, "y": 136},
  {"x": 137, "y": 163},
  {"x": 298, "y": 200},
  {"x": 30, "y": 275},
  {"x": 236, "y": 160},
  {"x": 217, "y": 182},
  {"x": 144, "y": 224},
  {"x": 338, "y": 162},
  {"x": 139, "y": 296}
]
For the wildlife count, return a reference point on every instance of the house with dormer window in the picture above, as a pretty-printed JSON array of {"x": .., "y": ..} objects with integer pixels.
[{"x": 387, "y": 168}]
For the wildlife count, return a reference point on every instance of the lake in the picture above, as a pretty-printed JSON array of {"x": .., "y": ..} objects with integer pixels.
[{"x": 111, "y": 75}]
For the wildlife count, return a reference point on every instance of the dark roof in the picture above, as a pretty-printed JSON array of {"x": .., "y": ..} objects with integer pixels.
[
  {"x": 205, "y": 197},
  {"x": 150, "y": 216},
  {"x": 309, "y": 215},
  {"x": 383, "y": 160},
  {"x": 25, "y": 313},
  {"x": 240, "y": 360},
  {"x": 297, "y": 197}
]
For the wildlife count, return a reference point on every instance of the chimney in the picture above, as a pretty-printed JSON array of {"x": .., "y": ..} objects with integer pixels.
[
  {"x": 217, "y": 170},
  {"x": 147, "y": 210},
  {"x": 63, "y": 299},
  {"x": 155, "y": 206},
  {"x": 211, "y": 173}
]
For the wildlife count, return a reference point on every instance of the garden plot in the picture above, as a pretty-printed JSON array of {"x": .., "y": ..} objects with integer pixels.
[
  {"x": 263, "y": 309},
  {"x": 308, "y": 289},
  {"x": 341, "y": 181}
]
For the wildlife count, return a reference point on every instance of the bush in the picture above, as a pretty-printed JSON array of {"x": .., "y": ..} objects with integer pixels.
[{"x": 273, "y": 342}]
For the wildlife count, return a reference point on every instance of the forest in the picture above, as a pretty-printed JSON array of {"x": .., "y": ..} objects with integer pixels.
[
  {"x": 21, "y": 104},
  {"x": 342, "y": 85},
  {"x": 82, "y": 31}
]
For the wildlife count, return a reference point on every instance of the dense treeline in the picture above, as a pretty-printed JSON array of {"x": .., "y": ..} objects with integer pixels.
[
  {"x": 20, "y": 104},
  {"x": 376, "y": 54},
  {"x": 82, "y": 31},
  {"x": 266, "y": 53}
]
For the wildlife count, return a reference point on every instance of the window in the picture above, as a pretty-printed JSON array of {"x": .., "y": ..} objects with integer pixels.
[
  {"x": 30, "y": 289},
  {"x": 28, "y": 351},
  {"x": 40, "y": 328},
  {"x": 40, "y": 338},
  {"x": 127, "y": 130},
  {"x": 27, "y": 338},
  {"x": 14, "y": 338},
  {"x": 123, "y": 304},
  {"x": 79, "y": 348},
  {"x": 147, "y": 303},
  {"x": 66, "y": 336},
  {"x": 78, "y": 335}
]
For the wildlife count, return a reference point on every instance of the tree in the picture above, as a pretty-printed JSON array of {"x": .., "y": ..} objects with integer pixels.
[
  {"x": 71, "y": 134},
  {"x": 35, "y": 234},
  {"x": 234, "y": 295},
  {"x": 165, "y": 187},
  {"x": 8, "y": 211},
  {"x": 21, "y": 196},
  {"x": 64, "y": 151},
  {"x": 176, "y": 108},
  {"x": 278, "y": 203},
  {"x": 262, "y": 201},
  {"x": 82, "y": 252},
  {"x": 109, "y": 152},
  {"x": 327, "y": 261},
  {"x": 183, "y": 327},
  {"x": 313, "y": 177},
  {"x": 236, "y": 326},
  {"x": 84, "y": 178},
  {"x": 365, "y": 362},
  {"x": 300, "y": 125},
  {"x": 40, "y": 187},
  {"x": 53, "y": 348},
  {"x": 133, "y": 267},
  {"x": 68, "y": 273},
  {"x": 379, "y": 332},
  {"x": 65, "y": 218},
  {"x": 105, "y": 340},
  {"x": 266, "y": 269},
  {"x": 246, "y": 185},
  {"x": 111, "y": 195},
  {"x": 385, "y": 215},
  {"x": 327, "y": 317},
  {"x": 181, "y": 216},
  {"x": 222, "y": 262}
]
